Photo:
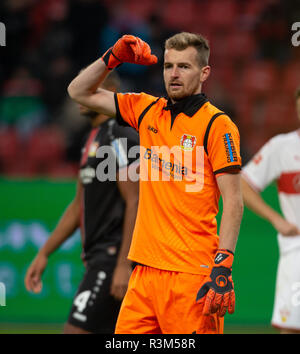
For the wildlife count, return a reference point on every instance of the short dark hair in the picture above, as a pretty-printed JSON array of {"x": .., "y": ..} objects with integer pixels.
[{"x": 183, "y": 40}]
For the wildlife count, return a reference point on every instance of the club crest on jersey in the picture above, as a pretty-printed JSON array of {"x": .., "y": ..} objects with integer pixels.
[
  {"x": 187, "y": 142},
  {"x": 93, "y": 148}
]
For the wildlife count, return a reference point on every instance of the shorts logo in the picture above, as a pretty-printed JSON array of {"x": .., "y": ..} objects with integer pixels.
[
  {"x": 230, "y": 148},
  {"x": 187, "y": 142}
]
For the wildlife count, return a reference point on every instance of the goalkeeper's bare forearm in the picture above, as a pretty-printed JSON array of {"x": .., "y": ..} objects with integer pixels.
[
  {"x": 85, "y": 90},
  {"x": 230, "y": 188}
]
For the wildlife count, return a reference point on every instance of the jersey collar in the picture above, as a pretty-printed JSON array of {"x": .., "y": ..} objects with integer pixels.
[{"x": 189, "y": 106}]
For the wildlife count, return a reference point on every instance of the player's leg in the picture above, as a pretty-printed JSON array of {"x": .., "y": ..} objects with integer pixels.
[
  {"x": 70, "y": 329},
  {"x": 94, "y": 310},
  {"x": 289, "y": 331},
  {"x": 137, "y": 315},
  {"x": 286, "y": 312}
]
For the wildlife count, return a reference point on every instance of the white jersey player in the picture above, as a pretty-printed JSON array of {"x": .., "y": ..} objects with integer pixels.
[{"x": 279, "y": 160}]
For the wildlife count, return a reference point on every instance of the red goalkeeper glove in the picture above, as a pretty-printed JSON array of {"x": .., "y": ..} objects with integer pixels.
[
  {"x": 129, "y": 49},
  {"x": 217, "y": 291}
]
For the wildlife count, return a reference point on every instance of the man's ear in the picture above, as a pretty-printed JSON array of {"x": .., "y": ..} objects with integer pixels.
[{"x": 205, "y": 71}]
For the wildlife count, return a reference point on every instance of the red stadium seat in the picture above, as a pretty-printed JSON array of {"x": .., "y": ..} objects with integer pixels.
[
  {"x": 291, "y": 78},
  {"x": 275, "y": 111},
  {"x": 20, "y": 168},
  {"x": 46, "y": 147},
  {"x": 280, "y": 114},
  {"x": 241, "y": 45},
  {"x": 254, "y": 140},
  {"x": 62, "y": 170},
  {"x": 221, "y": 14},
  {"x": 263, "y": 118},
  {"x": 9, "y": 145},
  {"x": 254, "y": 7},
  {"x": 260, "y": 78},
  {"x": 224, "y": 74},
  {"x": 243, "y": 107},
  {"x": 141, "y": 9},
  {"x": 179, "y": 14}
]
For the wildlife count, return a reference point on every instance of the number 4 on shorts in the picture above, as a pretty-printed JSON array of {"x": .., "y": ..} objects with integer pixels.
[{"x": 81, "y": 300}]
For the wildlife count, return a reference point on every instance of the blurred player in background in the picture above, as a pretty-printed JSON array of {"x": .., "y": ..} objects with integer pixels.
[
  {"x": 279, "y": 159},
  {"x": 182, "y": 261},
  {"x": 105, "y": 212}
]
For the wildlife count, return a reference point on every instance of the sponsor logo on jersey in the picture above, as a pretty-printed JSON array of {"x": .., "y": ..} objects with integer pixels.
[
  {"x": 93, "y": 148},
  {"x": 187, "y": 142},
  {"x": 165, "y": 164},
  {"x": 229, "y": 148},
  {"x": 87, "y": 175}
]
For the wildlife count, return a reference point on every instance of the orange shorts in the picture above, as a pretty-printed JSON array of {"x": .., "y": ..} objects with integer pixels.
[{"x": 159, "y": 301}]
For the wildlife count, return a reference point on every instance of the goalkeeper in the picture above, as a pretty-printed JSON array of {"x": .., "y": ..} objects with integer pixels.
[
  {"x": 106, "y": 213},
  {"x": 182, "y": 283}
]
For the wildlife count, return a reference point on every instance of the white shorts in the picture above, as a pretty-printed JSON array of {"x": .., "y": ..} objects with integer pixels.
[{"x": 286, "y": 312}]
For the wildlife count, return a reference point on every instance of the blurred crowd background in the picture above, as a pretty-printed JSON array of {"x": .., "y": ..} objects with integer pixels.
[{"x": 255, "y": 68}]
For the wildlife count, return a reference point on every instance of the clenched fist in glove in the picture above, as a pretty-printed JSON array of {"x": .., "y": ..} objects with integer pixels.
[
  {"x": 129, "y": 49},
  {"x": 217, "y": 290}
]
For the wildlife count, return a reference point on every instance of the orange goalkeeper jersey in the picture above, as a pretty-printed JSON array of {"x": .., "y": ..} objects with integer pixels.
[{"x": 183, "y": 146}]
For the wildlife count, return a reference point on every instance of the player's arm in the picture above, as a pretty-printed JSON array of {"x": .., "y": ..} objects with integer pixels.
[
  {"x": 223, "y": 149},
  {"x": 65, "y": 228},
  {"x": 130, "y": 193},
  {"x": 84, "y": 88},
  {"x": 230, "y": 189},
  {"x": 217, "y": 292},
  {"x": 255, "y": 202}
]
